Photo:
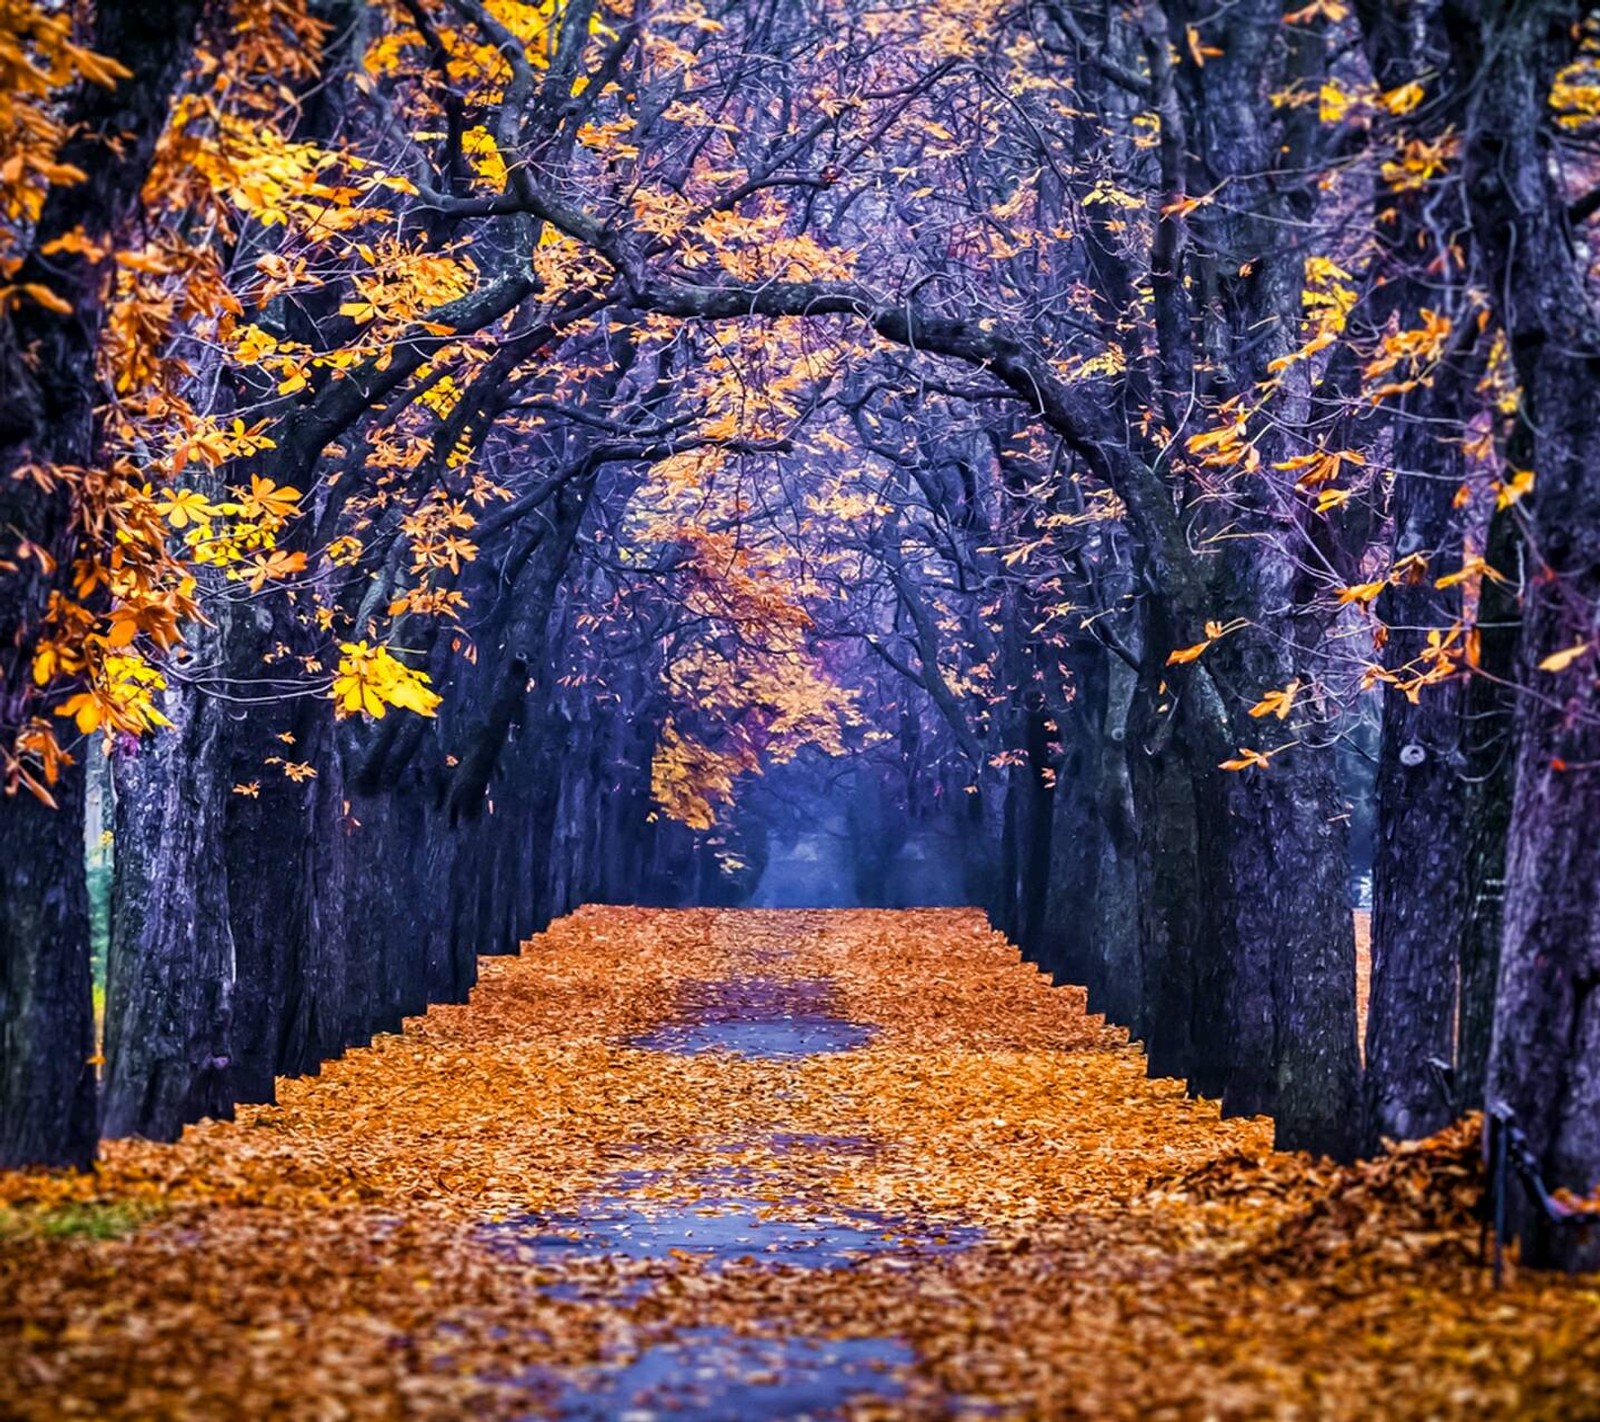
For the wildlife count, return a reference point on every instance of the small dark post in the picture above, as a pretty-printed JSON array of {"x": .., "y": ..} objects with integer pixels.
[{"x": 1495, "y": 1125}]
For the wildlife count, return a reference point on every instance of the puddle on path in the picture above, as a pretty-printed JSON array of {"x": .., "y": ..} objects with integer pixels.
[
  {"x": 730, "y": 1214},
  {"x": 622, "y": 1241},
  {"x": 721, "y": 1229},
  {"x": 716, "y": 1375},
  {"x": 726, "y": 1215},
  {"x": 763, "y": 1018}
]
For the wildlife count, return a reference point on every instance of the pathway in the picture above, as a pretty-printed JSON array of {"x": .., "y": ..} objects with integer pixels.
[{"x": 739, "y": 1165}]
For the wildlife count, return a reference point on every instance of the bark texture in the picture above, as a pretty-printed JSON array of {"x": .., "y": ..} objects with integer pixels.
[
  {"x": 1545, "y": 1059},
  {"x": 48, "y": 393},
  {"x": 170, "y": 970},
  {"x": 1438, "y": 835}
]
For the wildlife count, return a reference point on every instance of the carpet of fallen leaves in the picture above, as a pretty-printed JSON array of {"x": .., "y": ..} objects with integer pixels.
[{"x": 1139, "y": 1256}]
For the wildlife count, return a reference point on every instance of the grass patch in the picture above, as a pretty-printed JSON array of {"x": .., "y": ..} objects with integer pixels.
[{"x": 76, "y": 1221}]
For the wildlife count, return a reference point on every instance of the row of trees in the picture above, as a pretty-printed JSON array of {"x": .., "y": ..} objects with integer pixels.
[{"x": 454, "y": 445}]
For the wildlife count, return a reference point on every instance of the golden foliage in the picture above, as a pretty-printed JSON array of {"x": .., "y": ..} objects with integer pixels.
[
  {"x": 1140, "y": 1256},
  {"x": 369, "y": 680},
  {"x": 38, "y": 63}
]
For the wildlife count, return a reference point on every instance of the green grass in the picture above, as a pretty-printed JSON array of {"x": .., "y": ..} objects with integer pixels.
[{"x": 80, "y": 1221}]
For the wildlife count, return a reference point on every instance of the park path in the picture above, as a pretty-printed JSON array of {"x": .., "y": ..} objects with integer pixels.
[{"x": 737, "y": 1165}]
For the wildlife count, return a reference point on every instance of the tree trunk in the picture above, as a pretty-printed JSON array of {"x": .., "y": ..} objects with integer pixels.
[
  {"x": 1066, "y": 940},
  {"x": 1437, "y": 834},
  {"x": 170, "y": 971},
  {"x": 47, "y": 1075},
  {"x": 1116, "y": 908},
  {"x": 1274, "y": 864},
  {"x": 1490, "y": 731},
  {"x": 1419, "y": 918},
  {"x": 1301, "y": 850},
  {"x": 1286, "y": 939},
  {"x": 1545, "y": 1059},
  {"x": 285, "y": 889},
  {"x": 48, "y": 391},
  {"x": 1031, "y": 805},
  {"x": 1426, "y": 815},
  {"x": 1179, "y": 955}
]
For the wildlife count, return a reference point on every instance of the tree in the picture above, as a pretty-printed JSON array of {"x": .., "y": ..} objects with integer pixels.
[
  {"x": 1519, "y": 179},
  {"x": 72, "y": 207}
]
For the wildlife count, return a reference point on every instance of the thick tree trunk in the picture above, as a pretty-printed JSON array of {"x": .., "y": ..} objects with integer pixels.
[
  {"x": 285, "y": 893},
  {"x": 1426, "y": 813},
  {"x": 370, "y": 1000},
  {"x": 415, "y": 851},
  {"x": 170, "y": 971},
  {"x": 1177, "y": 949},
  {"x": 1066, "y": 941},
  {"x": 48, "y": 391},
  {"x": 1030, "y": 804},
  {"x": 1275, "y": 867},
  {"x": 1545, "y": 1059},
  {"x": 1444, "y": 799},
  {"x": 1300, "y": 900},
  {"x": 1439, "y": 832},
  {"x": 1490, "y": 737},
  {"x": 1116, "y": 908},
  {"x": 47, "y": 1075},
  {"x": 1273, "y": 863},
  {"x": 1089, "y": 923},
  {"x": 1419, "y": 919},
  {"x": 1288, "y": 941}
]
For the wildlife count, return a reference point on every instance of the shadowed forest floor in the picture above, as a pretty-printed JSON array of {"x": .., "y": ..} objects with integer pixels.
[{"x": 711, "y": 1164}]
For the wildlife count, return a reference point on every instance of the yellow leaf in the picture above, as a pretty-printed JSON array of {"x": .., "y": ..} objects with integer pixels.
[
  {"x": 122, "y": 632},
  {"x": 1404, "y": 99},
  {"x": 268, "y": 501},
  {"x": 184, "y": 506},
  {"x": 369, "y": 680},
  {"x": 1248, "y": 759},
  {"x": 84, "y": 710},
  {"x": 1520, "y": 483},
  {"x": 1470, "y": 568},
  {"x": 1560, "y": 661}
]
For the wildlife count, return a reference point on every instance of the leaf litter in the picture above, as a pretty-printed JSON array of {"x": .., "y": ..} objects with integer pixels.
[{"x": 1026, "y": 1224}]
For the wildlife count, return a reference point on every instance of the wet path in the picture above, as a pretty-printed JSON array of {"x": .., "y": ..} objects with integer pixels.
[
  {"x": 766, "y": 1019},
  {"x": 746, "y": 1165},
  {"x": 729, "y": 1215}
]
